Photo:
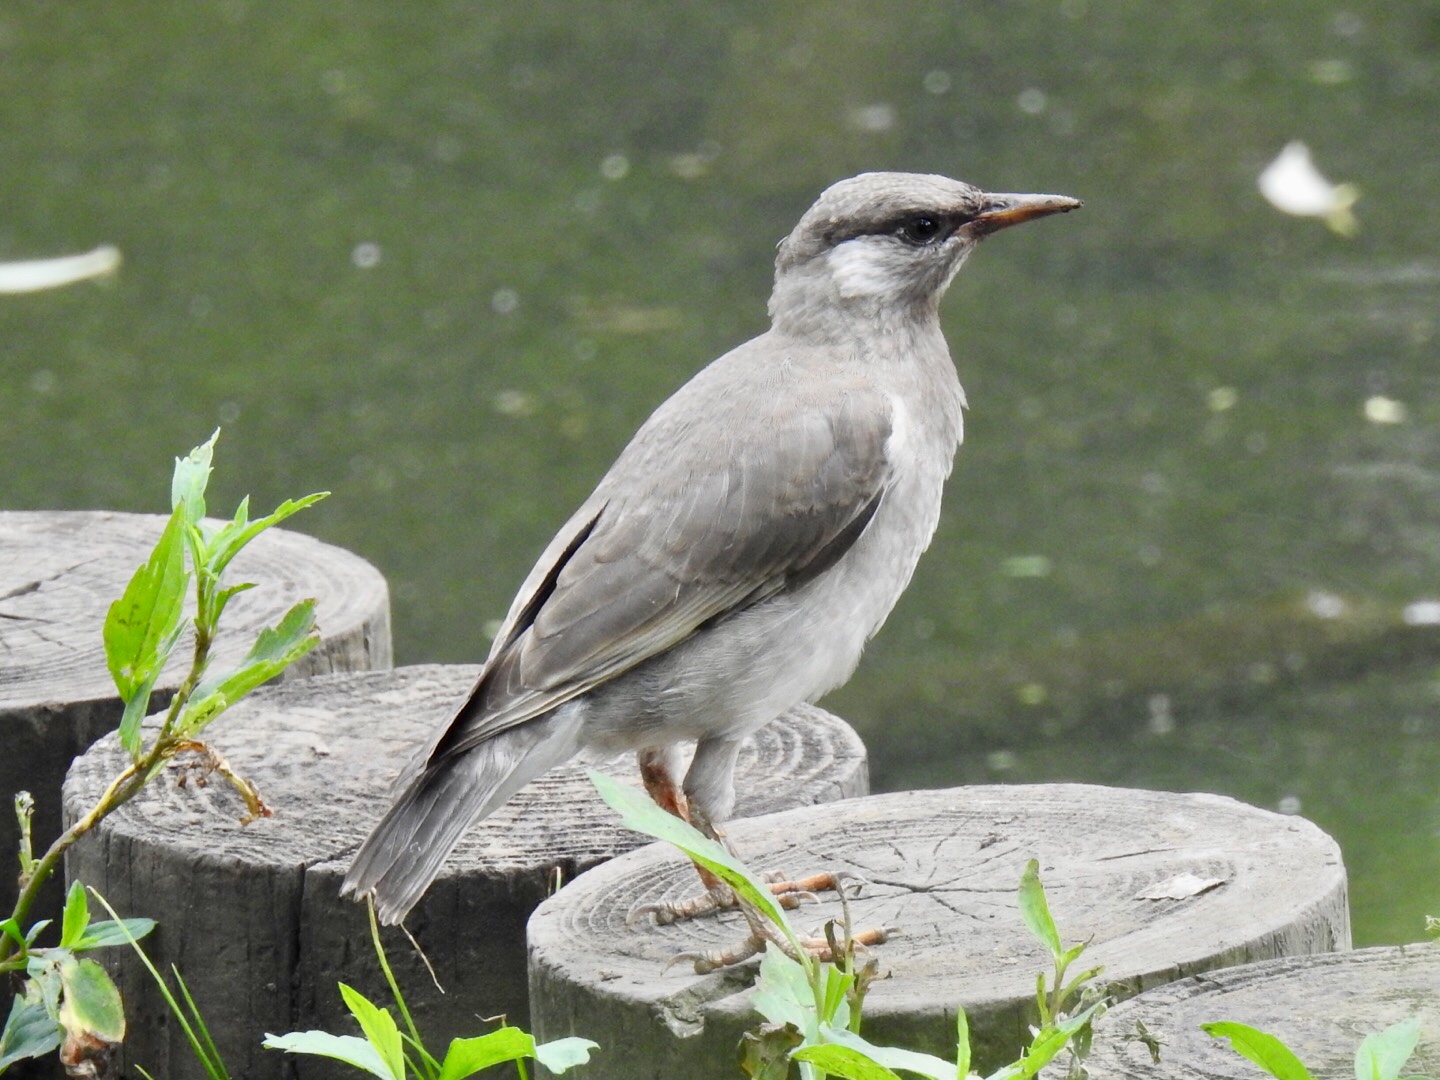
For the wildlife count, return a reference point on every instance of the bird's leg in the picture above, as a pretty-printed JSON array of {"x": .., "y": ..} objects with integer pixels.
[
  {"x": 820, "y": 948},
  {"x": 833, "y": 948},
  {"x": 657, "y": 772}
]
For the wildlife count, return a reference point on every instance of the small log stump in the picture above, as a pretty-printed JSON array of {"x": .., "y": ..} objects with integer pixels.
[
  {"x": 59, "y": 573},
  {"x": 1319, "y": 1006},
  {"x": 252, "y": 914},
  {"x": 945, "y": 867}
]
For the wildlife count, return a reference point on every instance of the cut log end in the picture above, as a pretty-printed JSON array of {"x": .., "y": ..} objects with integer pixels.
[{"x": 1162, "y": 886}]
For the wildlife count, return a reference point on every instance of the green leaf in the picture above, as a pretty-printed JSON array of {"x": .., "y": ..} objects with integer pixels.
[
  {"x": 845, "y": 1062},
  {"x": 11, "y": 929},
  {"x": 76, "y": 917},
  {"x": 765, "y": 1051},
  {"x": 45, "y": 985},
  {"x": 1264, "y": 1050},
  {"x": 108, "y": 933},
  {"x": 1048, "y": 1043},
  {"x": 91, "y": 1004},
  {"x": 379, "y": 1028},
  {"x": 638, "y": 812},
  {"x": 223, "y": 597},
  {"x": 192, "y": 474},
  {"x": 1036, "y": 911},
  {"x": 962, "y": 1045},
  {"x": 836, "y": 985},
  {"x": 782, "y": 993},
  {"x": 141, "y": 627},
  {"x": 561, "y": 1055},
  {"x": 29, "y": 1032},
  {"x": 233, "y": 537},
  {"x": 465, "y": 1057},
  {"x": 35, "y": 930},
  {"x": 350, "y": 1049},
  {"x": 133, "y": 718},
  {"x": 274, "y": 650},
  {"x": 887, "y": 1057},
  {"x": 1383, "y": 1054}
]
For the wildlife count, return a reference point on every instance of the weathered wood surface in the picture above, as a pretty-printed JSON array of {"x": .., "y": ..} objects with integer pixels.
[
  {"x": 59, "y": 573},
  {"x": 1319, "y": 1006},
  {"x": 945, "y": 867},
  {"x": 252, "y": 914}
]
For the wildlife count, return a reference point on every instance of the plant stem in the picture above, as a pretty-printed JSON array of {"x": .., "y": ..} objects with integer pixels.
[
  {"x": 430, "y": 1065},
  {"x": 122, "y": 789}
]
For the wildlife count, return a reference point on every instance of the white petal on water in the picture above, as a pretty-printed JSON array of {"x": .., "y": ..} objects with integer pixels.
[
  {"x": 872, "y": 118},
  {"x": 1422, "y": 613},
  {"x": 1384, "y": 410},
  {"x": 1027, "y": 566},
  {"x": 1325, "y": 605},
  {"x": 33, "y": 275},
  {"x": 1293, "y": 185}
]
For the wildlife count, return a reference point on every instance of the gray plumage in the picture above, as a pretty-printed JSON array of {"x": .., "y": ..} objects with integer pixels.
[{"x": 750, "y": 539}]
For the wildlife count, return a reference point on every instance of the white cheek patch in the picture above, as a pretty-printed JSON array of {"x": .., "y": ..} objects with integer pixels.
[{"x": 861, "y": 267}]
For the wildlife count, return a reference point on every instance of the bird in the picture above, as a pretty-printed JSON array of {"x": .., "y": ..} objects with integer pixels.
[{"x": 749, "y": 540}]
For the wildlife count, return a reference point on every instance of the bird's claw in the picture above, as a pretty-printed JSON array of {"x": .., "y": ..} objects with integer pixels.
[
  {"x": 717, "y": 898},
  {"x": 707, "y": 961},
  {"x": 820, "y": 947}
]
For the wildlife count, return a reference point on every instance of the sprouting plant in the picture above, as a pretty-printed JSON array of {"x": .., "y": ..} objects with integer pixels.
[
  {"x": 383, "y": 1050},
  {"x": 1381, "y": 1056},
  {"x": 73, "y": 1001},
  {"x": 68, "y": 1001},
  {"x": 191, "y": 1022},
  {"x": 812, "y": 1009}
]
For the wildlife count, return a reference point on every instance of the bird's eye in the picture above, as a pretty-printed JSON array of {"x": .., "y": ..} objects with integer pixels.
[{"x": 921, "y": 229}]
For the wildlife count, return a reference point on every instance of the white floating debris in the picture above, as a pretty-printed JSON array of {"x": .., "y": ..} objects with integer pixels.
[
  {"x": 1222, "y": 398},
  {"x": 515, "y": 403},
  {"x": 1032, "y": 101},
  {"x": 1180, "y": 887},
  {"x": 1293, "y": 185},
  {"x": 615, "y": 167},
  {"x": 33, "y": 275},
  {"x": 1027, "y": 566},
  {"x": 872, "y": 118},
  {"x": 504, "y": 301},
  {"x": 1325, "y": 605},
  {"x": 366, "y": 255},
  {"x": 1384, "y": 410},
  {"x": 1422, "y": 613}
]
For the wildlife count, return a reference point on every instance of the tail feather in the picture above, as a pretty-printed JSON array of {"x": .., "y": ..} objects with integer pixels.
[{"x": 406, "y": 850}]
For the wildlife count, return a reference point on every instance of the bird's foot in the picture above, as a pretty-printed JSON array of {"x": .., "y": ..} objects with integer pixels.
[
  {"x": 822, "y": 949},
  {"x": 721, "y": 897}
]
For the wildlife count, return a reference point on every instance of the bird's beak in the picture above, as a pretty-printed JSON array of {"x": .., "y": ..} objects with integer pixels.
[{"x": 1001, "y": 211}]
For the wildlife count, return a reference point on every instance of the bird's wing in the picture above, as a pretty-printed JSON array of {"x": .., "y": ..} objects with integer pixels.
[{"x": 684, "y": 531}]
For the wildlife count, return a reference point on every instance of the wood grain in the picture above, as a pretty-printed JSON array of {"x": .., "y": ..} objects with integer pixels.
[
  {"x": 59, "y": 573},
  {"x": 1319, "y": 1006},
  {"x": 945, "y": 867},
  {"x": 252, "y": 913}
]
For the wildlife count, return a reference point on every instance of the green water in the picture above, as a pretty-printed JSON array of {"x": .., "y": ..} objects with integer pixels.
[{"x": 443, "y": 258}]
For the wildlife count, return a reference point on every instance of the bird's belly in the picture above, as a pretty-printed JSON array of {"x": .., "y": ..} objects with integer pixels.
[{"x": 736, "y": 675}]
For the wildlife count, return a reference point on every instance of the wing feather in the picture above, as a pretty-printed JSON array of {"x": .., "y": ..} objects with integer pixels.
[{"x": 686, "y": 530}]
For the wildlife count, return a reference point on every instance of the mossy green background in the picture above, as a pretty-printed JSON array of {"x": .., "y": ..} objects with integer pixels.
[{"x": 442, "y": 259}]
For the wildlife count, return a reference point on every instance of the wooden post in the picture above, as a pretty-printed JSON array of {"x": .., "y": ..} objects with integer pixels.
[
  {"x": 1319, "y": 1006},
  {"x": 252, "y": 914},
  {"x": 59, "y": 573},
  {"x": 1163, "y": 885}
]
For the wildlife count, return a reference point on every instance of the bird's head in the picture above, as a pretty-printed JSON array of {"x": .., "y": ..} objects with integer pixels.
[{"x": 891, "y": 241}]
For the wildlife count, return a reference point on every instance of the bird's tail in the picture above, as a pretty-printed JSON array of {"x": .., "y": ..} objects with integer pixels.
[{"x": 404, "y": 853}]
